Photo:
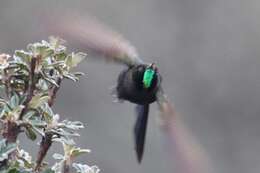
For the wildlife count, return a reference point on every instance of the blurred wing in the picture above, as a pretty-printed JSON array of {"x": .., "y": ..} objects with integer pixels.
[
  {"x": 94, "y": 36},
  {"x": 140, "y": 130},
  {"x": 191, "y": 155},
  {"x": 165, "y": 106}
]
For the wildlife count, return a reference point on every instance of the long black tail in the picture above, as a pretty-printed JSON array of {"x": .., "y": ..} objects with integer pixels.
[{"x": 140, "y": 129}]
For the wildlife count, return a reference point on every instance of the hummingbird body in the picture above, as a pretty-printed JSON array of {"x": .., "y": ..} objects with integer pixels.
[{"x": 130, "y": 85}]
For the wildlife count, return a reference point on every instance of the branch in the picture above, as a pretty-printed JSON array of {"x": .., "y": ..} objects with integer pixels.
[
  {"x": 10, "y": 131},
  {"x": 44, "y": 147},
  {"x": 53, "y": 92},
  {"x": 66, "y": 166},
  {"x": 6, "y": 83},
  {"x": 47, "y": 140},
  {"x": 31, "y": 86}
]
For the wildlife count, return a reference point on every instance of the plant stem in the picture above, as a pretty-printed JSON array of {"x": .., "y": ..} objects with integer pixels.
[
  {"x": 31, "y": 86},
  {"x": 66, "y": 166},
  {"x": 6, "y": 82},
  {"x": 53, "y": 92},
  {"x": 47, "y": 140},
  {"x": 10, "y": 131},
  {"x": 44, "y": 147}
]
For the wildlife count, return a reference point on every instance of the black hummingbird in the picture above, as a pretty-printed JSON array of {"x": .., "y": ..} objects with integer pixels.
[{"x": 139, "y": 83}]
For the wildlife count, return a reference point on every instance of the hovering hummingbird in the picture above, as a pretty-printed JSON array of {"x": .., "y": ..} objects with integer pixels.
[{"x": 138, "y": 83}]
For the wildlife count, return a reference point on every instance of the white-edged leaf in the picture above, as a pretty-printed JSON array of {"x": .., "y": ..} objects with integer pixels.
[
  {"x": 38, "y": 100},
  {"x": 30, "y": 133},
  {"x": 78, "y": 151},
  {"x": 74, "y": 59},
  {"x": 83, "y": 168},
  {"x": 58, "y": 156},
  {"x": 23, "y": 56},
  {"x": 6, "y": 149}
]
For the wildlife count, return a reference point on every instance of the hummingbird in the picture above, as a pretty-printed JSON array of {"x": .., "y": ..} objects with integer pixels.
[{"x": 138, "y": 83}]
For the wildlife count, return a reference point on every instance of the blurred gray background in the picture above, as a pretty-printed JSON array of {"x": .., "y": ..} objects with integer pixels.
[{"x": 208, "y": 53}]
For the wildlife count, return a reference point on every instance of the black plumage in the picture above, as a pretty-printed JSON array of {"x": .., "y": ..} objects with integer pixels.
[
  {"x": 140, "y": 129},
  {"x": 130, "y": 85}
]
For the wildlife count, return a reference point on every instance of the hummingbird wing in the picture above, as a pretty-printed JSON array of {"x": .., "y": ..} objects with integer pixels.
[
  {"x": 165, "y": 106},
  {"x": 192, "y": 156},
  {"x": 95, "y": 37},
  {"x": 140, "y": 130}
]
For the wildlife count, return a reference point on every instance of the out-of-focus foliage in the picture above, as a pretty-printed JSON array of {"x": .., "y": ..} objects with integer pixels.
[{"x": 29, "y": 81}]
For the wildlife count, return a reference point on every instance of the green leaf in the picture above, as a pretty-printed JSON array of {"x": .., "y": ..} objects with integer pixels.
[
  {"x": 73, "y": 125},
  {"x": 15, "y": 100},
  {"x": 60, "y": 56},
  {"x": 16, "y": 170},
  {"x": 58, "y": 167},
  {"x": 30, "y": 133},
  {"x": 82, "y": 168},
  {"x": 48, "y": 170},
  {"x": 38, "y": 122},
  {"x": 38, "y": 100},
  {"x": 78, "y": 151},
  {"x": 24, "y": 160},
  {"x": 42, "y": 84},
  {"x": 16, "y": 111},
  {"x": 25, "y": 57},
  {"x": 6, "y": 109},
  {"x": 13, "y": 170},
  {"x": 74, "y": 59},
  {"x": 56, "y": 43},
  {"x": 71, "y": 77},
  {"x": 78, "y": 74},
  {"x": 18, "y": 65},
  {"x": 63, "y": 139},
  {"x": 38, "y": 130},
  {"x": 58, "y": 156},
  {"x": 56, "y": 64},
  {"x": 2, "y": 101},
  {"x": 43, "y": 49},
  {"x": 49, "y": 79},
  {"x": 47, "y": 113},
  {"x": 29, "y": 115},
  {"x": 6, "y": 149},
  {"x": 64, "y": 133},
  {"x": 72, "y": 151}
]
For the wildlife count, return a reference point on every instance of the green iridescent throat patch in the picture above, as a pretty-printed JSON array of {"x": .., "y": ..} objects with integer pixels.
[{"x": 148, "y": 77}]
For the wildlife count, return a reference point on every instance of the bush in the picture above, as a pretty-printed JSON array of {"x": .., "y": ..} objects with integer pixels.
[{"x": 29, "y": 82}]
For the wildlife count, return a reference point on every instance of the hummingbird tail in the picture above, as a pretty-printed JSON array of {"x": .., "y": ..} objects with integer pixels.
[{"x": 140, "y": 129}]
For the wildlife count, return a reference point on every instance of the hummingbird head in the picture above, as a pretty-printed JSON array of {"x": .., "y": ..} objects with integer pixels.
[
  {"x": 149, "y": 75},
  {"x": 146, "y": 76}
]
